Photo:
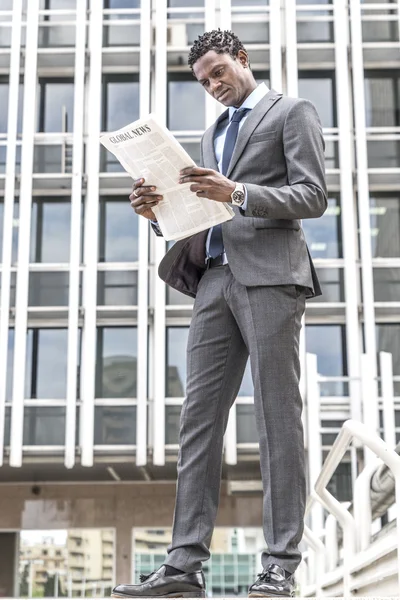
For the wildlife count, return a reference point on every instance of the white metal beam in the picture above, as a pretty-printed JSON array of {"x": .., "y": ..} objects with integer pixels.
[
  {"x": 25, "y": 209},
  {"x": 292, "y": 86},
  {"x": 88, "y": 359},
  {"x": 362, "y": 187},
  {"x": 389, "y": 427},
  {"x": 9, "y": 194},
  {"x": 348, "y": 204},
  {"x": 75, "y": 237},
  {"x": 275, "y": 52},
  {"x": 143, "y": 272},
  {"x": 159, "y": 251}
]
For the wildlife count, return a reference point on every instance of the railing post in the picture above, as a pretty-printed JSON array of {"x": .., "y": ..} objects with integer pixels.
[
  {"x": 369, "y": 401},
  {"x": 314, "y": 445},
  {"x": 389, "y": 431}
]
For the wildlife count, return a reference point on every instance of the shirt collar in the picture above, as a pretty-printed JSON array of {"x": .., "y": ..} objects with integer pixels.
[{"x": 256, "y": 95}]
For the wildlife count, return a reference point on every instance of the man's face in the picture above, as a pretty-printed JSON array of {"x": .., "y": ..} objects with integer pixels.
[{"x": 224, "y": 78}]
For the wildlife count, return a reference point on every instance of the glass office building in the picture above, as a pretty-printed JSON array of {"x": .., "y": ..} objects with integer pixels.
[{"x": 92, "y": 344}]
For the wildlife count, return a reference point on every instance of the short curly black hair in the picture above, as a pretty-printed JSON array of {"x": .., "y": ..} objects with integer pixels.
[{"x": 219, "y": 41}]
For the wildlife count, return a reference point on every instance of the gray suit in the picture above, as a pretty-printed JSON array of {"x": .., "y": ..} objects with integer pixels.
[{"x": 253, "y": 306}]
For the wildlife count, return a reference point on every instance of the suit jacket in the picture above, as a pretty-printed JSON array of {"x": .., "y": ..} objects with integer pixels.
[{"x": 279, "y": 156}]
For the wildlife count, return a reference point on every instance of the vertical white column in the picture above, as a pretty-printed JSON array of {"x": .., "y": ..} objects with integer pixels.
[
  {"x": 362, "y": 186},
  {"x": 292, "y": 86},
  {"x": 9, "y": 206},
  {"x": 230, "y": 437},
  {"x": 159, "y": 251},
  {"x": 275, "y": 52},
  {"x": 348, "y": 205},
  {"x": 143, "y": 278},
  {"x": 225, "y": 14},
  {"x": 369, "y": 401},
  {"x": 389, "y": 429},
  {"x": 314, "y": 443},
  {"x": 75, "y": 238},
  {"x": 88, "y": 359},
  {"x": 213, "y": 108},
  {"x": 25, "y": 208}
]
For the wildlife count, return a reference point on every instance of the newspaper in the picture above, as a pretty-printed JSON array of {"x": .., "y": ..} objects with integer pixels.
[{"x": 147, "y": 149}]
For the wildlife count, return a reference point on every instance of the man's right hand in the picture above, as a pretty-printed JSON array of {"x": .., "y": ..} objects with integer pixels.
[{"x": 143, "y": 199}]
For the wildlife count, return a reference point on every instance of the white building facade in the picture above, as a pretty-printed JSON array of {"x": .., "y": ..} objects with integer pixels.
[{"x": 92, "y": 344}]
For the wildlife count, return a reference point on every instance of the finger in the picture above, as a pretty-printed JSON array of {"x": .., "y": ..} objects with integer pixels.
[
  {"x": 142, "y": 191},
  {"x": 198, "y": 187},
  {"x": 195, "y": 171},
  {"x": 188, "y": 178},
  {"x": 145, "y": 201},
  {"x": 202, "y": 194},
  {"x": 137, "y": 182},
  {"x": 144, "y": 208}
]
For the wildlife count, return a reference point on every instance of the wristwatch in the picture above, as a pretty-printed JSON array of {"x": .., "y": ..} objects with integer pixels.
[{"x": 238, "y": 195}]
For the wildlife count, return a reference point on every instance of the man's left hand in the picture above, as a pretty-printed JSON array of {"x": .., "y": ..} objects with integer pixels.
[{"x": 208, "y": 183}]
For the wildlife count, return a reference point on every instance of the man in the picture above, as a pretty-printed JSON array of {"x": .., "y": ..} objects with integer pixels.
[{"x": 250, "y": 278}]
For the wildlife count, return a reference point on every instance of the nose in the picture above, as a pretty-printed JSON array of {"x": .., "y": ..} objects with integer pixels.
[{"x": 215, "y": 86}]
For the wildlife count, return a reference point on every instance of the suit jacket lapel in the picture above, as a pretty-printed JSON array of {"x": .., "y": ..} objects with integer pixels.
[
  {"x": 210, "y": 161},
  {"x": 258, "y": 113}
]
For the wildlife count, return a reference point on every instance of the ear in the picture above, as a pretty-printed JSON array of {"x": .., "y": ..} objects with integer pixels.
[{"x": 243, "y": 58}]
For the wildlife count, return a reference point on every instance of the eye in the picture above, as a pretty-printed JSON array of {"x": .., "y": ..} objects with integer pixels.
[
  {"x": 205, "y": 83},
  {"x": 219, "y": 72}
]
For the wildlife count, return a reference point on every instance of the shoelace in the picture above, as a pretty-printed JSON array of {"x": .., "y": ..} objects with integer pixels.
[
  {"x": 265, "y": 576},
  {"x": 143, "y": 578}
]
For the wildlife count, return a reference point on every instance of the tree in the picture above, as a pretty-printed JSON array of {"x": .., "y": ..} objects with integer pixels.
[
  {"x": 50, "y": 585},
  {"x": 23, "y": 582}
]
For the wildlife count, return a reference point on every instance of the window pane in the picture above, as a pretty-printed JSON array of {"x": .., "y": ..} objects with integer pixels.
[
  {"x": 186, "y": 103},
  {"x": 324, "y": 235},
  {"x": 46, "y": 364},
  {"x": 246, "y": 428},
  {"x": 172, "y": 417},
  {"x": 175, "y": 297},
  {"x": 116, "y": 362},
  {"x": 48, "y": 289},
  {"x": 117, "y": 288},
  {"x": 383, "y": 153},
  {"x": 3, "y": 106},
  {"x": 118, "y": 239},
  {"x": 252, "y": 33},
  {"x": 56, "y": 105},
  {"x": 120, "y": 101},
  {"x": 115, "y": 425},
  {"x": 44, "y": 426},
  {"x": 121, "y": 34},
  {"x": 315, "y": 31},
  {"x": 10, "y": 365},
  {"x": 332, "y": 284},
  {"x": 247, "y": 388},
  {"x": 176, "y": 361},
  {"x": 329, "y": 344},
  {"x": 385, "y": 225},
  {"x": 379, "y": 31},
  {"x": 121, "y": 3},
  {"x": 7, "y": 426},
  {"x": 382, "y": 92},
  {"x": 321, "y": 93},
  {"x": 50, "y": 231},
  {"x": 387, "y": 285}
]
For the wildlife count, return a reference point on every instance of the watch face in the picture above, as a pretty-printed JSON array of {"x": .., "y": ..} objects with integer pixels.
[{"x": 238, "y": 197}]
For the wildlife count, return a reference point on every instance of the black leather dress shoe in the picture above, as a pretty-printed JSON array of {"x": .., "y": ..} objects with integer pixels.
[
  {"x": 160, "y": 585},
  {"x": 273, "y": 582}
]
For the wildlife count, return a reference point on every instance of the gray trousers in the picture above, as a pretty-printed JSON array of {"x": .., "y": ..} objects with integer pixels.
[{"x": 231, "y": 321}]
